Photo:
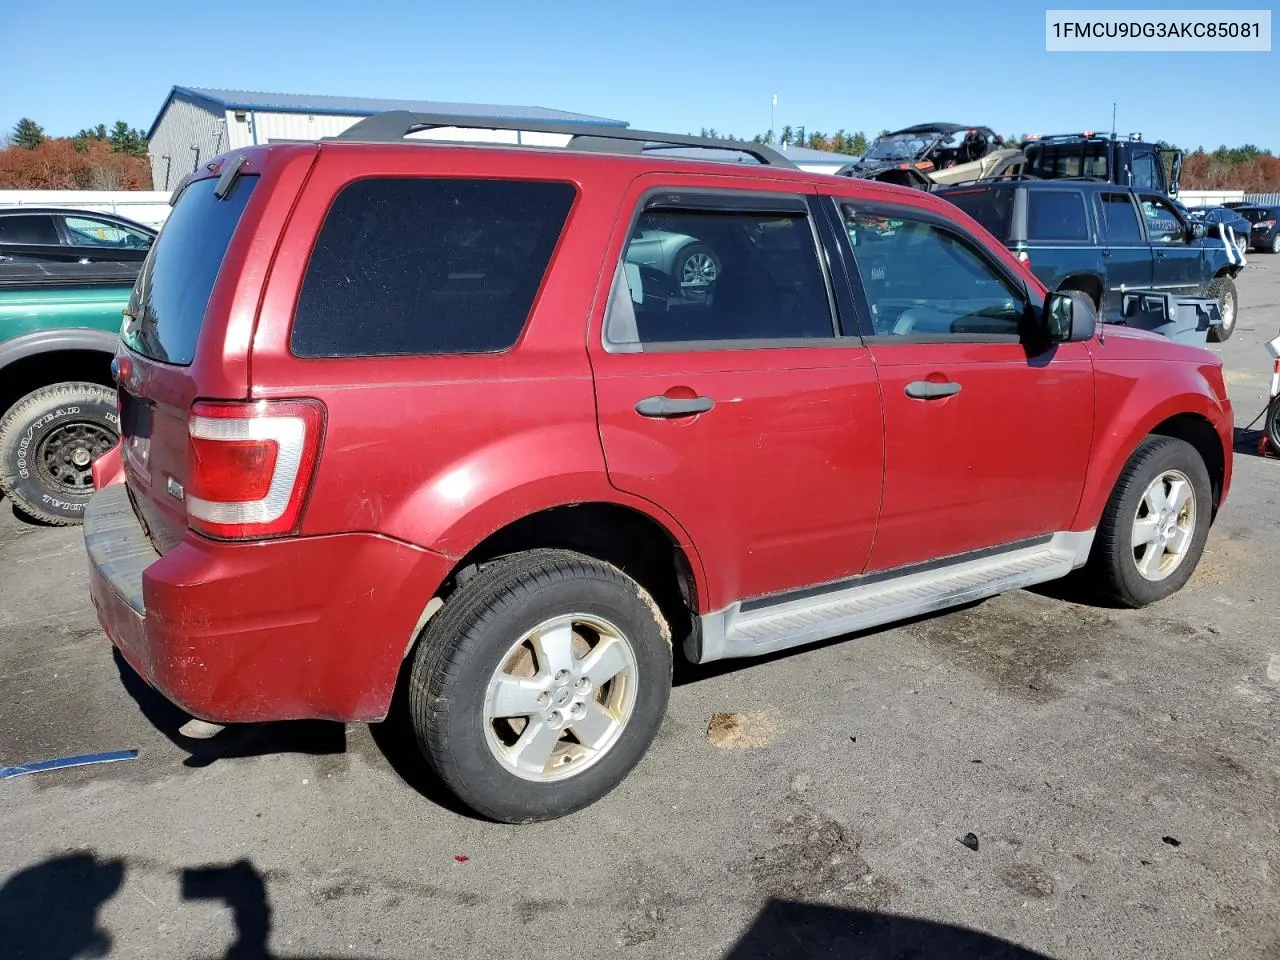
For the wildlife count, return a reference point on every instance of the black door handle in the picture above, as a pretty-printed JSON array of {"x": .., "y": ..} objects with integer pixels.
[
  {"x": 673, "y": 407},
  {"x": 928, "y": 390}
]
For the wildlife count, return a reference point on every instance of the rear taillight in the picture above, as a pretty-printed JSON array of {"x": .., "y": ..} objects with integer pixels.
[
  {"x": 249, "y": 466},
  {"x": 1266, "y": 224}
]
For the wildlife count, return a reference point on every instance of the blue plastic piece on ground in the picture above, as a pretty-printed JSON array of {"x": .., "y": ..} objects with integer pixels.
[{"x": 81, "y": 761}]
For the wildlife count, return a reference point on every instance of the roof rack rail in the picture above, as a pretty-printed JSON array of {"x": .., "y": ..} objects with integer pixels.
[
  {"x": 394, "y": 125},
  {"x": 1010, "y": 178}
]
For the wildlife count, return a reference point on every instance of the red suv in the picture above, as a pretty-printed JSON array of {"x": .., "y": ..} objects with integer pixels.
[{"x": 519, "y": 422}]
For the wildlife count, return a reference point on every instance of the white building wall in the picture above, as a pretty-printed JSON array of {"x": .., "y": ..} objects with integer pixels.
[{"x": 188, "y": 134}]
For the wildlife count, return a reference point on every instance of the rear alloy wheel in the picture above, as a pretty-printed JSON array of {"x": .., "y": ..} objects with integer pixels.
[
  {"x": 1223, "y": 289},
  {"x": 48, "y": 442},
  {"x": 1273, "y": 426},
  {"x": 1275, "y": 242},
  {"x": 1155, "y": 525},
  {"x": 540, "y": 684}
]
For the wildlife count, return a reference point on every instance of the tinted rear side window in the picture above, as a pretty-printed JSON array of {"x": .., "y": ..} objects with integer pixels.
[
  {"x": 173, "y": 287},
  {"x": 1056, "y": 215},
  {"x": 993, "y": 208},
  {"x": 28, "y": 229},
  {"x": 410, "y": 266}
]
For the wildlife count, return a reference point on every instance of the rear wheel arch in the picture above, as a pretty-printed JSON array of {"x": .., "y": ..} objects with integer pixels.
[
  {"x": 1086, "y": 283},
  {"x": 642, "y": 546}
]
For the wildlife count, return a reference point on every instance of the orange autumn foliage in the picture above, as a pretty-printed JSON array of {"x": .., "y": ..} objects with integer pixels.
[{"x": 56, "y": 164}]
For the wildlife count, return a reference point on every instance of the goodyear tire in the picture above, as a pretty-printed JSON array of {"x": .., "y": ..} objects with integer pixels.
[
  {"x": 1223, "y": 289},
  {"x": 1155, "y": 524},
  {"x": 540, "y": 684},
  {"x": 48, "y": 442}
]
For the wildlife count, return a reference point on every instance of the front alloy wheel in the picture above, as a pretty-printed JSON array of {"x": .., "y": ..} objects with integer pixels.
[
  {"x": 1164, "y": 525},
  {"x": 1155, "y": 524}
]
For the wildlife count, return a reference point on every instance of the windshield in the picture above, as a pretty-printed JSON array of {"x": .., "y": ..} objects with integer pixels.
[
  {"x": 899, "y": 146},
  {"x": 1258, "y": 214},
  {"x": 1050, "y": 161}
]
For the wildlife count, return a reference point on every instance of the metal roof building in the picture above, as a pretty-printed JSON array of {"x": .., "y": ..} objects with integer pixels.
[{"x": 195, "y": 124}]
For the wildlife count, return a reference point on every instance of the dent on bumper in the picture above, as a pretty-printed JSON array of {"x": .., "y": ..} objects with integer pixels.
[{"x": 295, "y": 628}]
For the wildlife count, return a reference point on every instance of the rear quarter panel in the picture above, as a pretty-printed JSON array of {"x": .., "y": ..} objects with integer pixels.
[
  {"x": 1141, "y": 381},
  {"x": 442, "y": 451}
]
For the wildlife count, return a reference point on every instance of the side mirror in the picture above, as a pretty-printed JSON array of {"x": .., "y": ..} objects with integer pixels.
[
  {"x": 1069, "y": 317},
  {"x": 1196, "y": 231}
]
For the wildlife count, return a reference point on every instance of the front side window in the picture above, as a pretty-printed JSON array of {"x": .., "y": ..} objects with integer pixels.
[
  {"x": 715, "y": 276},
  {"x": 922, "y": 279},
  {"x": 1163, "y": 223},
  {"x": 415, "y": 266},
  {"x": 83, "y": 232},
  {"x": 1144, "y": 172}
]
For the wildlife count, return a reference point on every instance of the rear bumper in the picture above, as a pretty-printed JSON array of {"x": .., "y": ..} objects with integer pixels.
[{"x": 312, "y": 628}]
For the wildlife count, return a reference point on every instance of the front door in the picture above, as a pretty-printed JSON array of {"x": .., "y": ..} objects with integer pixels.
[
  {"x": 1126, "y": 253},
  {"x": 987, "y": 438},
  {"x": 1177, "y": 260},
  {"x": 734, "y": 402}
]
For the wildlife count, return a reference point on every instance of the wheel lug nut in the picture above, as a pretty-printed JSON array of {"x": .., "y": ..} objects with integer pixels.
[
  {"x": 544, "y": 698},
  {"x": 562, "y": 677},
  {"x": 583, "y": 685},
  {"x": 555, "y": 719}
]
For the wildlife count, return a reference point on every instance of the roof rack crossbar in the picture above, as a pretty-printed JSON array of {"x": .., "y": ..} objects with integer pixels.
[{"x": 395, "y": 125}]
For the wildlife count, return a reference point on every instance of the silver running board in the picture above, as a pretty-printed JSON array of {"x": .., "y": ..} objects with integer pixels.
[{"x": 878, "y": 600}]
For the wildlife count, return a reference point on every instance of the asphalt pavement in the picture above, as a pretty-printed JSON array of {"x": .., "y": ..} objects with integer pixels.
[{"x": 1030, "y": 777}]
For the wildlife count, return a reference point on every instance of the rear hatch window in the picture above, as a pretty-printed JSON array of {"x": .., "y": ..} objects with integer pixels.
[
  {"x": 990, "y": 206},
  {"x": 1257, "y": 214},
  {"x": 177, "y": 278}
]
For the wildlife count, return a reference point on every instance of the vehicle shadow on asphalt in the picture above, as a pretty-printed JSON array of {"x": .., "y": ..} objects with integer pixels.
[
  {"x": 312, "y": 737},
  {"x": 50, "y": 911},
  {"x": 787, "y": 930}
]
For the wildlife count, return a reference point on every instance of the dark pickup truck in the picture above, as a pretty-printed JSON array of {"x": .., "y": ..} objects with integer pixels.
[{"x": 1106, "y": 240}]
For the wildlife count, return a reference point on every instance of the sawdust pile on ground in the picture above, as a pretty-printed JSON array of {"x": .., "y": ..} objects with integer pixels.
[{"x": 738, "y": 731}]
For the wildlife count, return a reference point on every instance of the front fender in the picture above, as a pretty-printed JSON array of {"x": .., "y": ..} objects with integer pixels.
[{"x": 1134, "y": 397}]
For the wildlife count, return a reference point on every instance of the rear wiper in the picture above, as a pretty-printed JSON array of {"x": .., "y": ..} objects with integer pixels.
[{"x": 229, "y": 176}]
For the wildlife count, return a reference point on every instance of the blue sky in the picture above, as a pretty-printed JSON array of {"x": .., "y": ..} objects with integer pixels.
[{"x": 675, "y": 66}]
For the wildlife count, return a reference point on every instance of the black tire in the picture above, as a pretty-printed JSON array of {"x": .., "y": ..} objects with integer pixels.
[
  {"x": 694, "y": 291},
  {"x": 1223, "y": 289},
  {"x": 48, "y": 441},
  {"x": 472, "y": 635},
  {"x": 1273, "y": 426},
  {"x": 1112, "y": 571}
]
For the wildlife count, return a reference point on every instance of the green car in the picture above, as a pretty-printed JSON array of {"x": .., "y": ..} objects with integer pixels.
[{"x": 59, "y": 327}]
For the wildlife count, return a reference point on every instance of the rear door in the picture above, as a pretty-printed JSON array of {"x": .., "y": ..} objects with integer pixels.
[
  {"x": 738, "y": 405},
  {"x": 31, "y": 238},
  {"x": 1126, "y": 251},
  {"x": 987, "y": 434},
  {"x": 163, "y": 321}
]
